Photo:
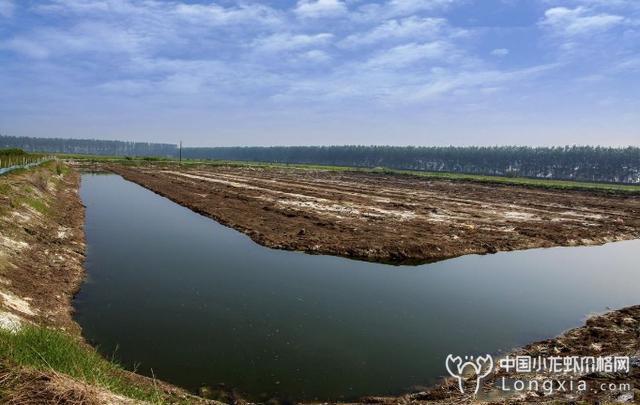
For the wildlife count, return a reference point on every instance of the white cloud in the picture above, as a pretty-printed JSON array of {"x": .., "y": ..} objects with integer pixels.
[
  {"x": 25, "y": 47},
  {"x": 604, "y": 4},
  {"x": 500, "y": 52},
  {"x": 444, "y": 82},
  {"x": 320, "y": 8},
  {"x": 7, "y": 8},
  {"x": 86, "y": 6},
  {"x": 578, "y": 21},
  {"x": 95, "y": 38},
  {"x": 410, "y": 54},
  {"x": 399, "y": 8},
  {"x": 385, "y": 85},
  {"x": 218, "y": 15},
  {"x": 632, "y": 64},
  {"x": 413, "y": 27},
  {"x": 286, "y": 41},
  {"x": 316, "y": 56},
  {"x": 169, "y": 12}
]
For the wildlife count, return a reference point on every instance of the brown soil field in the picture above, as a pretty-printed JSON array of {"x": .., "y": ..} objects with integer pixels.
[{"x": 390, "y": 218}]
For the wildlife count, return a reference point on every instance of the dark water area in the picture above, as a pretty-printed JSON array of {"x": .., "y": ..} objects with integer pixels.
[{"x": 172, "y": 291}]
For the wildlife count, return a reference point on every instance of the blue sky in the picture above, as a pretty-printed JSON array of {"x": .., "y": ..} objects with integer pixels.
[{"x": 421, "y": 72}]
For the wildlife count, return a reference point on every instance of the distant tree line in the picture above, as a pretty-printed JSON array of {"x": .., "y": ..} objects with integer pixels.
[
  {"x": 12, "y": 152},
  {"x": 88, "y": 146},
  {"x": 583, "y": 163}
]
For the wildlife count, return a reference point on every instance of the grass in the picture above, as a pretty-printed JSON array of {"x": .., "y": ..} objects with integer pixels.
[
  {"x": 34, "y": 203},
  {"x": 38, "y": 177},
  {"x": 519, "y": 181},
  {"x": 46, "y": 349},
  {"x": 4, "y": 189},
  {"x": 61, "y": 168}
]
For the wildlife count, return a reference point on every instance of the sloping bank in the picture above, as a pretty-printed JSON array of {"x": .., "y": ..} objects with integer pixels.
[
  {"x": 613, "y": 334},
  {"x": 43, "y": 358}
]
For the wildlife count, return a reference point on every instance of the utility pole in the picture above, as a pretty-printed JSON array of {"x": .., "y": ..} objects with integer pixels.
[{"x": 180, "y": 159}]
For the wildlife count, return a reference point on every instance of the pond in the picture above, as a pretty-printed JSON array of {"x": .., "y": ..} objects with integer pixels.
[{"x": 194, "y": 303}]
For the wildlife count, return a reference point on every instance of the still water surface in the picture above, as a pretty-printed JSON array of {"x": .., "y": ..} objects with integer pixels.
[{"x": 201, "y": 304}]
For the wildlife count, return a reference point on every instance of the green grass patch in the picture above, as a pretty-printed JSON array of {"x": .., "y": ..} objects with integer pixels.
[
  {"x": 33, "y": 202},
  {"x": 61, "y": 168},
  {"x": 52, "y": 350},
  {"x": 4, "y": 189}
]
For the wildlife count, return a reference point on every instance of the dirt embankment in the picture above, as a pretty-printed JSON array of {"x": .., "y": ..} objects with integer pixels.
[
  {"x": 616, "y": 333},
  {"x": 42, "y": 252},
  {"x": 390, "y": 218},
  {"x": 41, "y": 247}
]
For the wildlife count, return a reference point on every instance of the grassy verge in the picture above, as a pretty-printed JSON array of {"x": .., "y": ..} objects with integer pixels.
[
  {"x": 518, "y": 181},
  {"x": 51, "y": 350}
]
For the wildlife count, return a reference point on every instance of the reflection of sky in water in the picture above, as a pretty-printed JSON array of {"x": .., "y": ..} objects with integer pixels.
[{"x": 202, "y": 304}]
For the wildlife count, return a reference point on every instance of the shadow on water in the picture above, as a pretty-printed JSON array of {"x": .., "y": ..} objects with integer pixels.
[{"x": 201, "y": 304}]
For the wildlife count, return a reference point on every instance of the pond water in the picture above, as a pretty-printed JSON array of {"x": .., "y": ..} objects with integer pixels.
[{"x": 171, "y": 291}]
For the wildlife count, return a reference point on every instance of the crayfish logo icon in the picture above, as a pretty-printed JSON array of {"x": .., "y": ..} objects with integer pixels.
[{"x": 481, "y": 367}]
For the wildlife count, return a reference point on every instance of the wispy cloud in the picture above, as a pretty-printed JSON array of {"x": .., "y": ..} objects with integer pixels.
[
  {"x": 6, "y": 8},
  {"x": 500, "y": 52},
  {"x": 410, "y": 54},
  {"x": 401, "y": 29},
  {"x": 320, "y": 8},
  {"x": 287, "y": 41},
  {"x": 399, "y": 8},
  {"x": 579, "y": 21},
  {"x": 26, "y": 47}
]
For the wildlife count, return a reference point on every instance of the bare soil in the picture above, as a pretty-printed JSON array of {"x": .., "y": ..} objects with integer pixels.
[
  {"x": 390, "y": 218},
  {"x": 41, "y": 246},
  {"x": 616, "y": 333}
]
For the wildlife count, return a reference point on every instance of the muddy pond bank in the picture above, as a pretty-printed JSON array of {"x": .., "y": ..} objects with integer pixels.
[
  {"x": 389, "y": 218},
  {"x": 201, "y": 304},
  {"x": 43, "y": 357}
]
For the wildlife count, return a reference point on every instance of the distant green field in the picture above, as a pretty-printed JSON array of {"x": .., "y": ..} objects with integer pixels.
[{"x": 520, "y": 181}]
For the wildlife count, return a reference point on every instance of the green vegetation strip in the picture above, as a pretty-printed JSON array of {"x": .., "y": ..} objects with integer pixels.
[
  {"x": 51, "y": 350},
  {"x": 518, "y": 181}
]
